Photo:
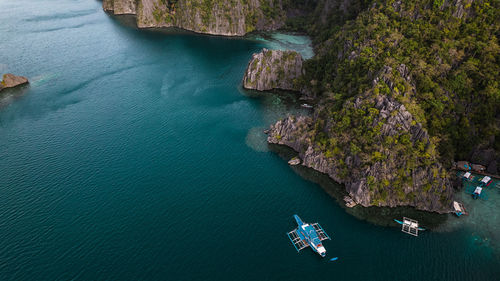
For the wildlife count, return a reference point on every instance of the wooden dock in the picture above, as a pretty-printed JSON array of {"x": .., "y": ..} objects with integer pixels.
[
  {"x": 473, "y": 175},
  {"x": 478, "y": 172}
]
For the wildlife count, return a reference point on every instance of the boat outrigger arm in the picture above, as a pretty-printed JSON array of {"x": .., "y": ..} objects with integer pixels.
[{"x": 308, "y": 235}]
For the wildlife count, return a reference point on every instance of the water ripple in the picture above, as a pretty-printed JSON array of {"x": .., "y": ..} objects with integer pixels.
[
  {"x": 60, "y": 28},
  {"x": 66, "y": 15}
]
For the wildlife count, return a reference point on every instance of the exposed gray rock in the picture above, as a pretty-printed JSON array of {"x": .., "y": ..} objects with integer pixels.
[
  {"x": 11, "y": 81},
  {"x": 294, "y": 161},
  {"x": 274, "y": 69},
  {"x": 349, "y": 202},
  {"x": 487, "y": 158},
  {"x": 462, "y": 7},
  {"x": 395, "y": 163},
  {"x": 120, "y": 7},
  {"x": 225, "y": 17},
  {"x": 428, "y": 190}
]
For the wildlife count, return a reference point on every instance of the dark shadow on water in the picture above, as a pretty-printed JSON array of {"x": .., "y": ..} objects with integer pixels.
[
  {"x": 287, "y": 97},
  {"x": 130, "y": 21},
  {"x": 126, "y": 20},
  {"x": 291, "y": 101},
  {"x": 207, "y": 50},
  {"x": 7, "y": 96},
  {"x": 382, "y": 216}
]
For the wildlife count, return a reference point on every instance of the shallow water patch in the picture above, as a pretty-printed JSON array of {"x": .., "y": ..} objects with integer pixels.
[
  {"x": 285, "y": 41},
  {"x": 257, "y": 140}
]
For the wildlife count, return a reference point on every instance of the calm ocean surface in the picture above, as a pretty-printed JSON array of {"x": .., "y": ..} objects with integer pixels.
[{"x": 134, "y": 155}]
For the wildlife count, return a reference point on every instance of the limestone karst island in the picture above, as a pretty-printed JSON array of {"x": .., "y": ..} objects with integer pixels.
[{"x": 250, "y": 140}]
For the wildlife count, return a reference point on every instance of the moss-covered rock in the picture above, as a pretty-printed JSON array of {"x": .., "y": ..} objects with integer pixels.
[
  {"x": 403, "y": 89},
  {"x": 11, "y": 81},
  {"x": 374, "y": 146},
  {"x": 274, "y": 69},
  {"x": 120, "y": 7},
  {"x": 218, "y": 17}
]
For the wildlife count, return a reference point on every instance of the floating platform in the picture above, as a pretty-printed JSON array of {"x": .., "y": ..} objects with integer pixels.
[
  {"x": 477, "y": 192},
  {"x": 409, "y": 226},
  {"x": 459, "y": 209},
  {"x": 486, "y": 181},
  {"x": 476, "y": 184},
  {"x": 308, "y": 235},
  {"x": 460, "y": 166},
  {"x": 297, "y": 242}
]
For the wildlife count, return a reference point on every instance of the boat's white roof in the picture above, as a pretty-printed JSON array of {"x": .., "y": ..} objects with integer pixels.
[
  {"x": 486, "y": 179},
  {"x": 410, "y": 222}
]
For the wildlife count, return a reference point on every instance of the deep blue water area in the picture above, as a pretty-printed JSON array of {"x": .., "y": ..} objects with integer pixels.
[{"x": 135, "y": 155}]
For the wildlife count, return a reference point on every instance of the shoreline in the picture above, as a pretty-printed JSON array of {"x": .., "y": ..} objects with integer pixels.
[
  {"x": 380, "y": 216},
  {"x": 129, "y": 20}
]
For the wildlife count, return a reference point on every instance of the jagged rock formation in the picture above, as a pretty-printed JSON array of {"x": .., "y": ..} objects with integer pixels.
[
  {"x": 274, "y": 69},
  {"x": 369, "y": 182},
  {"x": 393, "y": 105},
  {"x": 120, "y": 7},
  {"x": 11, "y": 81},
  {"x": 381, "y": 87},
  {"x": 462, "y": 7},
  {"x": 326, "y": 9},
  {"x": 487, "y": 157},
  {"x": 218, "y": 17},
  {"x": 374, "y": 146}
]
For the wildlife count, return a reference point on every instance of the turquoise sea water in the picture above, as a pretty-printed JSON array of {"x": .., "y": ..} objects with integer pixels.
[{"x": 134, "y": 155}]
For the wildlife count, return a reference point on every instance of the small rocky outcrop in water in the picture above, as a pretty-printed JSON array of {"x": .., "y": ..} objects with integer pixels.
[
  {"x": 294, "y": 161},
  {"x": 274, "y": 69},
  {"x": 224, "y": 17},
  {"x": 11, "y": 81}
]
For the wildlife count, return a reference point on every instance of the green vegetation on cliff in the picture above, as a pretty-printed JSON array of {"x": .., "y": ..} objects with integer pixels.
[
  {"x": 221, "y": 17},
  {"x": 402, "y": 87},
  {"x": 435, "y": 64},
  {"x": 451, "y": 52}
]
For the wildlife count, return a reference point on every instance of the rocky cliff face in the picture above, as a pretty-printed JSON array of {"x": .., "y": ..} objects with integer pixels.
[
  {"x": 375, "y": 147},
  {"x": 120, "y": 7},
  {"x": 332, "y": 8},
  {"x": 218, "y": 17},
  {"x": 11, "y": 81},
  {"x": 370, "y": 181},
  {"x": 274, "y": 69},
  {"x": 487, "y": 157}
]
